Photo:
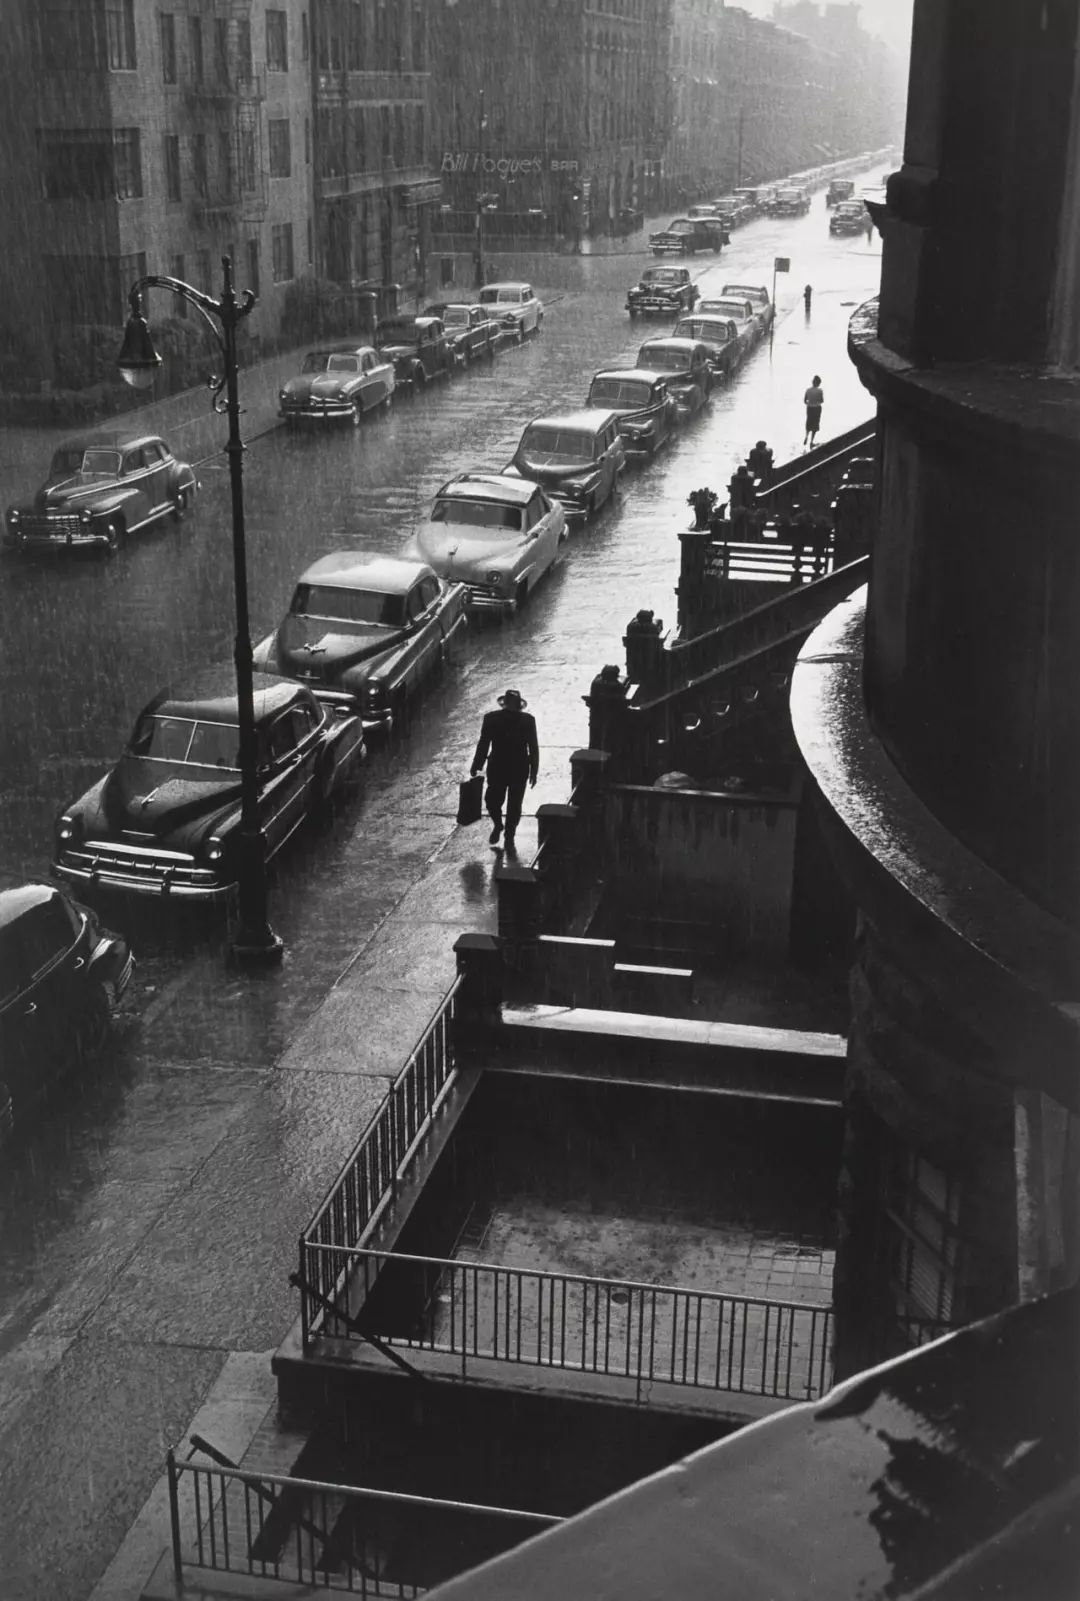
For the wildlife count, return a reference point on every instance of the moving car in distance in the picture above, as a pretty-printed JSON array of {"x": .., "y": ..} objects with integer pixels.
[
  {"x": 61, "y": 975},
  {"x": 839, "y": 189},
  {"x": 712, "y": 221},
  {"x": 642, "y": 406},
  {"x": 791, "y": 201},
  {"x": 683, "y": 237},
  {"x": 577, "y": 456},
  {"x": 417, "y": 347},
  {"x": 684, "y": 364},
  {"x": 364, "y": 632},
  {"x": 750, "y": 197},
  {"x": 849, "y": 217},
  {"x": 759, "y": 298},
  {"x": 100, "y": 488},
  {"x": 494, "y": 532},
  {"x": 727, "y": 349},
  {"x": 472, "y": 332},
  {"x": 662, "y": 290},
  {"x": 515, "y": 305},
  {"x": 164, "y": 821},
  {"x": 341, "y": 382}
]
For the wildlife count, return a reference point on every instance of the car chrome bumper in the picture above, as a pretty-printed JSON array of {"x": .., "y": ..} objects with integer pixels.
[
  {"x": 339, "y": 409},
  {"x": 105, "y": 868},
  {"x": 55, "y": 538},
  {"x": 490, "y": 600}
]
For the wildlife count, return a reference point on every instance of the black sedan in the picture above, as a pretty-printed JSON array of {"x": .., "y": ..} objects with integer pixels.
[
  {"x": 101, "y": 488},
  {"x": 165, "y": 820},
  {"x": 364, "y": 632},
  {"x": 641, "y": 403},
  {"x": 61, "y": 974}
]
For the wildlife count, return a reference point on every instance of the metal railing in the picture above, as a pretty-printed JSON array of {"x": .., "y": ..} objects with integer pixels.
[
  {"x": 370, "y": 1177},
  {"x": 647, "y": 1333},
  {"x": 327, "y": 1536}
]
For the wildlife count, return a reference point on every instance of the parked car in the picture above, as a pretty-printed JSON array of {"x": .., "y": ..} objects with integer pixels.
[
  {"x": 515, "y": 305},
  {"x": 496, "y": 533},
  {"x": 663, "y": 290},
  {"x": 164, "y": 821},
  {"x": 736, "y": 309},
  {"x": 713, "y": 221},
  {"x": 364, "y": 632},
  {"x": 849, "y": 217},
  {"x": 759, "y": 298},
  {"x": 100, "y": 488},
  {"x": 791, "y": 201},
  {"x": 641, "y": 403},
  {"x": 726, "y": 347},
  {"x": 684, "y": 363},
  {"x": 732, "y": 212},
  {"x": 61, "y": 975},
  {"x": 418, "y": 348},
  {"x": 750, "y": 198},
  {"x": 839, "y": 189},
  {"x": 683, "y": 237},
  {"x": 341, "y": 382},
  {"x": 577, "y": 456},
  {"x": 472, "y": 331}
]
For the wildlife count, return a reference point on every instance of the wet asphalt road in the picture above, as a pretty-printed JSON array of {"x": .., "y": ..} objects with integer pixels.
[{"x": 103, "y": 1362}]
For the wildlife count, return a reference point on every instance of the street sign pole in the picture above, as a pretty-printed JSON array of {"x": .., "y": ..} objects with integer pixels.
[{"x": 780, "y": 264}]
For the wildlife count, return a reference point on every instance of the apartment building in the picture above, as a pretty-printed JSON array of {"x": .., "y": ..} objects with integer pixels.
[{"x": 154, "y": 139}]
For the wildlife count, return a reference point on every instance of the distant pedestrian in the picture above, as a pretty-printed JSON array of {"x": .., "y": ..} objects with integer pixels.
[
  {"x": 813, "y": 400},
  {"x": 807, "y": 296},
  {"x": 868, "y": 224},
  {"x": 508, "y": 746}
]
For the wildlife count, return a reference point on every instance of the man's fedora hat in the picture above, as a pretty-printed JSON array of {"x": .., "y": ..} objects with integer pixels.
[{"x": 513, "y": 700}]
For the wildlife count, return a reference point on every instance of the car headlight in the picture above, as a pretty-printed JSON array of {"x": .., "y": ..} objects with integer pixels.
[
  {"x": 69, "y": 830},
  {"x": 13, "y": 518},
  {"x": 215, "y": 850},
  {"x": 495, "y": 578},
  {"x": 84, "y": 515}
]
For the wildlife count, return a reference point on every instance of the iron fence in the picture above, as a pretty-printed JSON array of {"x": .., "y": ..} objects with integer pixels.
[
  {"x": 366, "y": 1542},
  {"x": 369, "y": 1179},
  {"x": 647, "y": 1333}
]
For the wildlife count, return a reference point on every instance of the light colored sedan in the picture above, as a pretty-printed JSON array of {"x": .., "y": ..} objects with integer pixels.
[
  {"x": 495, "y": 533},
  {"x": 514, "y": 303},
  {"x": 342, "y": 382}
]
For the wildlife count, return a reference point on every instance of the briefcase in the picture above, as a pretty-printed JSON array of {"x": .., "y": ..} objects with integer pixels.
[{"x": 470, "y": 807}]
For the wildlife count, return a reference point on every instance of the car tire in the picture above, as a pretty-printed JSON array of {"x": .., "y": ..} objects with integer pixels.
[
  {"x": 181, "y": 504},
  {"x": 92, "y": 1024},
  {"x": 521, "y": 596},
  {"x": 419, "y": 377},
  {"x": 322, "y": 787},
  {"x": 114, "y": 536}
]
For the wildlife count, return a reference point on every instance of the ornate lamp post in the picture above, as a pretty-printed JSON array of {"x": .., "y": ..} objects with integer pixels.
[{"x": 254, "y": 941}]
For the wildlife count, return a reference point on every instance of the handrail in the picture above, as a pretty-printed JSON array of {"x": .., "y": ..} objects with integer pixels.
[{"x": 823, "y": 455}]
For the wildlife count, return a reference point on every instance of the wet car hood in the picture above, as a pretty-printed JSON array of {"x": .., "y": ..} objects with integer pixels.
[
  {"x": 545, "y": 466},
  {"x": 75, "y": 491},
  {"x": 395, "y": 352},
  {"x": 319, "y": 385},
  {"x": 148, "y": 797},
  {"x": 458, "y": 554},
  {"x": 307, "y": 644}
]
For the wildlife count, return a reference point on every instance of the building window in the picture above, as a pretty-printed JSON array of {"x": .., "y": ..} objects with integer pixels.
[
  {"x": 305, "y": 37},
  {"x": 253, "y": 265},
  {"x": 195, "y": 48},
  {"x": 922, "y": 1207},
  {"x": 172, "y": 166},
  {"x": 310, "y": 243},
  {"x": 282, "y": 249},
  {"x": 120, "y": 34},
  {"x": 202, "y": 271},
  {"x": 168, "y": 47},
  {"x": 176, "y": 270},
  {"x": 75, "y": 163},
  {"x": 277, "y": 41},
  {"x": 247, "y": 172},
  {"x": 307, "y": 141},
  {"x": 280, "y": 151},
  {"x": 198, "y": 164},
  {"x": 243, "y": 48},
  {"x": 127, "y": 164},
  {"x": 225, "y": 162}
]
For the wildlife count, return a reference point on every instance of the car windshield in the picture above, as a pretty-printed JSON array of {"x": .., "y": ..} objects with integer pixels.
[
  {"x": 736, "y": 309},
  {"x": 711, "y": 329},
  {"x": 343, "y": 364},
  {"x": 664, "y": 358},
  {"x": 501, "y": 297},
  {"x": 101, "y": 463},
  {"x": 188, "y": 741},
  {"x": 348, "y": 605},
  {"x": 316, "y": 362},
  {"x": 662, "y": 275},
  {"x": 456, "y": 316},
  {"x": 619, "y": 392},
  {"x": 397, "y": 333},
  {"x": 559, "y": 442},
  {"x": 745, "y": 293},
  {"x": 486, "y": 514},
  {"x": 680, "y": 225},
  {"x": 66, "y": 461}
]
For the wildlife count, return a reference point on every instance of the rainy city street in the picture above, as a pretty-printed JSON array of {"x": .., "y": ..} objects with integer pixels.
[{"x": 148, "y": 1226}]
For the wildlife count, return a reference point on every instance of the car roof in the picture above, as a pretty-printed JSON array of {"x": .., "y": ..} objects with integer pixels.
[
  {"x": 212, "y": 694},
  {"x": 704, "y": 316},
  {"x": 481, "y": 485},
  {"x": 671, "y": 343},
  {"x": 16, "y": 899},
  {"x": 719, "y": 305},
  {"x": 405, "y": 318},
  {"x": 592, "y": 418},
  {"x": 638, "y": 374},
  {"x": 357, "y": 569},
  {"x": 740, "y": 289},
  {"x": 110, "y": 439},
  {"x": 510, "y": 283},
  {"x": 336, "y": 350}
]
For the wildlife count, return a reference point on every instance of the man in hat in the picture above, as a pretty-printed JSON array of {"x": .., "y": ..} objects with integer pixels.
[{"x": 508, "y": 745}]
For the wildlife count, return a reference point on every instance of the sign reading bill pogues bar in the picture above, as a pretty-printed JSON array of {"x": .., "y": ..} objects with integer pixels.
[{"x": 469, "y": 163}]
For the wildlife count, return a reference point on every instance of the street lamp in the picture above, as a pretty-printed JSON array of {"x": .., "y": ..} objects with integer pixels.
[{"x": 254, "y": 941}]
